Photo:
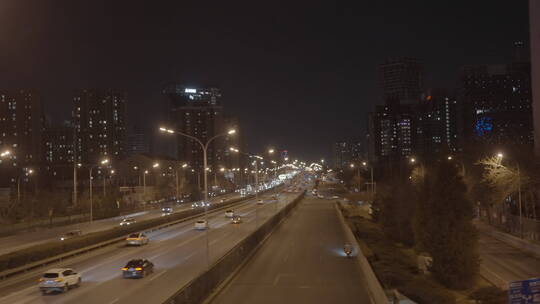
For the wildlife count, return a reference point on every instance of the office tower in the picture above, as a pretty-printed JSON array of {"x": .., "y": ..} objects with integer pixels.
[
  {"x": 534, "y": 19},
  {"x": 197, "y": 112},
  {"x": 99, "y": 118},
  {"x": 138, "y": 141},
  {"x": 437, "y": 122},
  {"x": 497, "y": 103},
  {"x": 401, "y": 80},
  {"x": 21, "y": 125},
  {"x": 342, "y": 154}
]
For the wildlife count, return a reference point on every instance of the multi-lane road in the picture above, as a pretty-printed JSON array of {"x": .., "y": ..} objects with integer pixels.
[
  {"x": 502, "y": 263},
  {"x": 178, "y": 253},
  {"x": 301, "y": 262},
  {"x": 27, "y": 239}
]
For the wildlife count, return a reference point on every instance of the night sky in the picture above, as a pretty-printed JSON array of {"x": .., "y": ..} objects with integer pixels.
[{"x": 298, "y": 74}]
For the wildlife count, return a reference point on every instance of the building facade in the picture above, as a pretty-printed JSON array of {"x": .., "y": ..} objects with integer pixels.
[
  {"x": 21, "y": 130},
  {"x": 197, "y": 113},
  {"x": 497, "y": 103},
  {"x": 99, "y": 118},
  {"x": 534, "y": 19},
  {"x": 401, "y": 79}
]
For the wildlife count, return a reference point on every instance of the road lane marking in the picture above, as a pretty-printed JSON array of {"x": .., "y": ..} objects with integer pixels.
[
  {"x": 157, "y": 275},
  {"x": 114, "y": 301}
]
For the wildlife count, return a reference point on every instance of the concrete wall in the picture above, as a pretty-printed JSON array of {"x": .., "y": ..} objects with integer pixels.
[
  {"x": 202, "y": 286},
  {"x": 534, "y": 19}
]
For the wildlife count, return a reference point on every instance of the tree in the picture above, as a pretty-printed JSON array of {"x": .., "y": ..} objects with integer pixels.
[
  {"x": 443, "y": 226},
  {"x": 395, "y": 207}
]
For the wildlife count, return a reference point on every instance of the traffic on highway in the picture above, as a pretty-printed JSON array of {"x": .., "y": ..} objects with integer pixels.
[{"x": 161, "y": 261}]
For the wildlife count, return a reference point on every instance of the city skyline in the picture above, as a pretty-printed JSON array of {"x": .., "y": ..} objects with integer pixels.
[{"x": 267, "y": 74}]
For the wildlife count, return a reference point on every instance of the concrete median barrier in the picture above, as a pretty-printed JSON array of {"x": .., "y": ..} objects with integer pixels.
[{"x": 199, "y": 288}]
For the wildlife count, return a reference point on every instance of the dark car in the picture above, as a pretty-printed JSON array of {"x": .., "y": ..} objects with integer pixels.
[{"x": 138, "y": 268}]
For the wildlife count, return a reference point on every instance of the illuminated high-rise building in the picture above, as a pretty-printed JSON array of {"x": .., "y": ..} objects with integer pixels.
[{"x": 99, "y": 118}]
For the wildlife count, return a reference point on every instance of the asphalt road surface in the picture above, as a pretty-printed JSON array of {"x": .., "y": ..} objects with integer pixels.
[
  {"x": 505, "y": 262},
  {"x": 27, "y": 239},
  {"x": 178, "y": 253},
  {"x": 301, "y": 262}
]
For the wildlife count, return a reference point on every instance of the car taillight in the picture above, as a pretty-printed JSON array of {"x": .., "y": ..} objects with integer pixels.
[
  {"x": 41, "y": 280},
  {"x": 138, "y": 268},
  {"x": 124, "y": 268}
]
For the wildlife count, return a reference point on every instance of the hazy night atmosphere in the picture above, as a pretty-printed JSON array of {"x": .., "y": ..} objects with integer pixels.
[{"x": 269, "y": 152}]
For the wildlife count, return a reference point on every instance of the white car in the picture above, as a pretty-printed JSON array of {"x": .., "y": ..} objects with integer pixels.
[
  {"x": 229, "y": 213},
  {"x": 201, "y": 225},
  {"x": 137, "y": 239},
  {"x": 260, "y": 202},
  {"x": 70, "y": 234},
  {"x": 127, "y": 221},
  {"x": 59, "y": 279}
]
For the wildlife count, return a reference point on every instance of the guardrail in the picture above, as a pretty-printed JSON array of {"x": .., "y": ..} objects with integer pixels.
[
  {"x": 190, "y": 214},
  {"x": 200, "y": 287}
]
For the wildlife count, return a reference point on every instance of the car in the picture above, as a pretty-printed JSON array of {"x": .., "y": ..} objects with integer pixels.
[
  {"x": 70, "y": 234},
  {"x": 201, "y": 225},
  {"x": 137, "y": 268},
  {"x": 320, "y": 196},
  {"x": 127, "y": 222},
  {"x": 229, "y": 213},
  {"x": 59, "y": 279},
  {"x": 260, "y": 202},
  {"x": 137, "y": 239},
  {"x": 335, "y": 197},
  {"x": 236, "y": 219},
  {"x": 166, "y": 211}
]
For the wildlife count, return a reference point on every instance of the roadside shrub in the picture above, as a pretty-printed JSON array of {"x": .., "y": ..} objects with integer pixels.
[{"x": 424, "y": 291}]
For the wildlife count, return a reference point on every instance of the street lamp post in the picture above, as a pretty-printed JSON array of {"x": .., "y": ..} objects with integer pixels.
[
  {"x": 103, "y": 162},
  {"x": 204, "y": 147},
  {"x": 177, "y": 184},
  {"x": 28, "y": 173},
  {"x": 500, "y": 156}
]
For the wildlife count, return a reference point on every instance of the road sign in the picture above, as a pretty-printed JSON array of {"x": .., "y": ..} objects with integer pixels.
[{"x": 524, "y": 292}]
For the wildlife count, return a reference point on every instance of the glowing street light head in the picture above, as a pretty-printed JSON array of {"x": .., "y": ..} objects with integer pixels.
[
  {"x": 79, "y": 165},
  {"x": 145, "y": 171},
  {"x": 222, "y": 169},
  {"x": 155, "y": 165},
  {"x": 5, "y": 153},
  {"x": 270, "y": 151},
  {"x": 351, "y": 165},
  {"x": 449, "y": 157},
  {"x": 30, "y": 171},
  {"x": 500, "y": 155},
  {"x": 135, "y": 168},
  {"x": 413, "y": 160},
  {"x": 231, "y": 132},
  {"x": 163, "y": 129},
  {"x": 105, "y": 161},
  {"x": 364, "y": 164},
  {"x": 184, "y": 165},
  {"x": 112, "y": 171}
]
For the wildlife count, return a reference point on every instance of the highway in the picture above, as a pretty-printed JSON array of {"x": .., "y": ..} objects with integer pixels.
[
  {"x": 178, "y": 253},
  {"x": 504, "y": 262},
  {"x": 301, "y": 262},
  {"x": 27, "y": 239}
]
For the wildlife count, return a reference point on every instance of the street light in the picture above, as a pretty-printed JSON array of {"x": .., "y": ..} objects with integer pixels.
[
  {"x": 500, "y": 156},
  {"x": 204, "y": 147},
  {"x": 103, "y": 162},
  {"x": 5, "y": 153},
  {"x": 27, "y": 173}
]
